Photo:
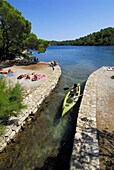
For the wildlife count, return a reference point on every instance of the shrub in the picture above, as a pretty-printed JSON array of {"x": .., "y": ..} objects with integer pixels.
[
  {"x": 112, "y": 77},
  {"x": 2, "y": 129},
  {"x": 10, "y": 100},
  {"x": 26, "y": 56}
]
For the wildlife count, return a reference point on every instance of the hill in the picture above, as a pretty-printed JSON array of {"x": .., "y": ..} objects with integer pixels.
[{"x": 105, "y": 37}]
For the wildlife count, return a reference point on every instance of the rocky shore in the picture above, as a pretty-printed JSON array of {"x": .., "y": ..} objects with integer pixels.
[
  {"x": 35, "y": 93},
  {"x": 95, "y": 118}
]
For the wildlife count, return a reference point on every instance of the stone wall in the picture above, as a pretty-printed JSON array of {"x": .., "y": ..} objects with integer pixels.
[
  {"x": 85, "y": 153},
  {"x": 33, "y": 99}
]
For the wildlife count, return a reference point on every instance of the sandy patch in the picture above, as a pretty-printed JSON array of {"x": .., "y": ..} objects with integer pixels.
[{"x": 41, "y": 68}]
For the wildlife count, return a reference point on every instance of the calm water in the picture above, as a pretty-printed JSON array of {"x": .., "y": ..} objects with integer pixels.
[
  {"x": 78, "y": 62},
  {"x": 47, "y": 142}
]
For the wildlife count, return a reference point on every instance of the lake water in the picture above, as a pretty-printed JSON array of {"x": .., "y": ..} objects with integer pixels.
[
  {"x": 78, "y": 62},
  {"x": 47, "y": 142}
]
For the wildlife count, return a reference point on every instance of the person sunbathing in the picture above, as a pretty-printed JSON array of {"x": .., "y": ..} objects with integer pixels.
[
  {"x": 5, "y": 72},
  {"x": 53, "y": 63},
  {"x": 35, "y": 77},
  {"x": 29, "y": 76},
  {"x": 10, "y": 71}
]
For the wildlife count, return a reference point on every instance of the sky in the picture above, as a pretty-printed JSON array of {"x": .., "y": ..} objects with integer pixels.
[{"x": 66, "y": 19}]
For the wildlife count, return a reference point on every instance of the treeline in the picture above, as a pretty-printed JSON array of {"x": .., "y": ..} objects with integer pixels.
[
  {"x": 105, "y": 37},
  {"x": 15, "y": 33}
]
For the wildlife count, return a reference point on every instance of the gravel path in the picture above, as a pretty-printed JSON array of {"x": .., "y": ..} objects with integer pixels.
[{"x": 105, "y": 119}]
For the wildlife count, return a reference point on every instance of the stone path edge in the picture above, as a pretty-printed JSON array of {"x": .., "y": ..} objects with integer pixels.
[
  {"x": 34, "y": 102},
  {"x": 85, "y": 154}
]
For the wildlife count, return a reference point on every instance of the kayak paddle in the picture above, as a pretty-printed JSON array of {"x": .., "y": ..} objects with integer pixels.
[{"x": 66, "y": 88}]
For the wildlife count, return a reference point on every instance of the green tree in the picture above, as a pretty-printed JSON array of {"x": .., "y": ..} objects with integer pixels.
[
  {"x": 112, "y": 39},
  {"x": 42, "y": 45},
  {"x": 33, "y": 42},
  {"x": 105, "y": 41},
  {"x": 41, "y": 48},
  {"x": 100, "y": 41},
  {"x": 14, "y": 29}
]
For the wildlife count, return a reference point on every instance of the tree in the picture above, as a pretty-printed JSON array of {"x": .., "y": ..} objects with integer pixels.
[
  {"x": 42, "y": 45},
  {"x": 33, "y": 42},
  {"x": 41, "y": 48},
  {"x": 14, "y": 29},
  {"x": 15, "y": 33},
  {"x": 105, "y": 41},
  {"x": 112, "y": 39}
]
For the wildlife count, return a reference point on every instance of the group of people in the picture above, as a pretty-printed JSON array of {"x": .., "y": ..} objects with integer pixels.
[{"x": 31, "y": 76}]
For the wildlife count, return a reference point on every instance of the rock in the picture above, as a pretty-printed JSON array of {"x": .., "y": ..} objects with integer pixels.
[{"x": 34, "y": 99}]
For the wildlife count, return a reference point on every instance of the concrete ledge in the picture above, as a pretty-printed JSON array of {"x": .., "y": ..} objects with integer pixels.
[
  {"x": 34, "y": 101},
  {"x": 85, "y": 153}
]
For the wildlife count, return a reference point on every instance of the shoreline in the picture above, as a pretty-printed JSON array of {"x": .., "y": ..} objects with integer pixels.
[
  {"x": 94, "y": 119},
  {"x": 36, "y": 93}
]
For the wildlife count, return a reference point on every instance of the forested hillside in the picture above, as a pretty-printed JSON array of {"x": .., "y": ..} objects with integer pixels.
[{"x": 105, "y": 37}]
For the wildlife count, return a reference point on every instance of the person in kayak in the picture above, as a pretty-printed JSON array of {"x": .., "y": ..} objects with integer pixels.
[
  {"x": 73, "y": 94},
  {"x": 72, "y": 97},
  {"x": 75, "y": 88}
]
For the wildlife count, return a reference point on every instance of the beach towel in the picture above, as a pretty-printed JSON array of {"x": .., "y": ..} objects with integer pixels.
[
  {"x": 21, "y": 76},
  {"x": 110, "y": 68},
  {"x": 5, "y": 75},
  {"x": 38, "y": 77}
]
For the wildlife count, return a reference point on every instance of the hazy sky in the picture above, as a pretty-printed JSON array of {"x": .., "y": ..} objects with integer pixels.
[{"x": 66, "y": 19}]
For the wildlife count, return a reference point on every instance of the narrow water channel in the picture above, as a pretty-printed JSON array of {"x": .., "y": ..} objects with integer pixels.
[{"x": 44, "y": 143}]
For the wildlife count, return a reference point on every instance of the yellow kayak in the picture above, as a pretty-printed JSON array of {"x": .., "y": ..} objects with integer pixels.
[{"x": 70, "y": 102}]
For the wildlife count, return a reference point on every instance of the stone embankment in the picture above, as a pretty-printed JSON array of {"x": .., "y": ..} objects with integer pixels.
[
  {"x": 33, "y": 99},
  {"x": 85, "y": 153}
]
